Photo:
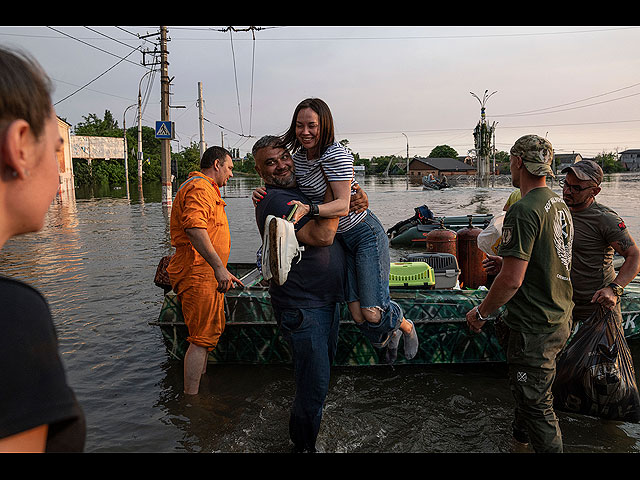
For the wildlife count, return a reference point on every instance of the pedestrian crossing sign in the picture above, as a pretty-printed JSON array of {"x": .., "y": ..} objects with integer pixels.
[{"x": 165, "y": 130}]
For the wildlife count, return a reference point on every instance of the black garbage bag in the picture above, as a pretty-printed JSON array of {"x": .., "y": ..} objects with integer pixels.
[{"x": 595, "y": 374}]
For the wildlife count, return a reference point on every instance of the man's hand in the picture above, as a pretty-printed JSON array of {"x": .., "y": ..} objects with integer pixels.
[
  {"x": 202, "y": 243},
  {"x": 492, "y": 264},
  {"x": 225, "y": 280},
  {"x": 605, "y": 297},
  {"x": 475, "y": 324},
  {"x": 359, "y": 200}
]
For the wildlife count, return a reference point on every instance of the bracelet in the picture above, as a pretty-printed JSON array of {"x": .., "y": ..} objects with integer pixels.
[{"x": 479, "y": 317}]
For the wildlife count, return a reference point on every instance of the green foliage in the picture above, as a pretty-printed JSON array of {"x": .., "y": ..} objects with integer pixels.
[
  {"x": 95, "y": 127},
  {"x": 609, "y": 162},
  {"x": 502, "y": 163},
  {"x": 246, "y": 166},
  {"x": 379, "y": 164},
  {"x": 111, "y": 172},
  {"x": 443, "y": 151},
  {"x": 186, "y": 161}
]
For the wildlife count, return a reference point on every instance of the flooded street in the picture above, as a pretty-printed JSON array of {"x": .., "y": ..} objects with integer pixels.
[{"x": 95, "y": 262}]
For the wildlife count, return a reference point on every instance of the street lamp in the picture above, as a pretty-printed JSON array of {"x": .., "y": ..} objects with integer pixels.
[
  {"x": 126, "y": 162},
  {"x": 140, "y": 127},
  {"x": 407, "y": 172}
]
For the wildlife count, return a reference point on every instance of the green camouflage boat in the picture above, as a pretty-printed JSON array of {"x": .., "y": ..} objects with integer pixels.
[{"x": 251, "y": 335}]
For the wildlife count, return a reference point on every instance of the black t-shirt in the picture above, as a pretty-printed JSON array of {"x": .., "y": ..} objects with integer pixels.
[
  {"x": 33, "y": 385},
  {"x": 317, "y": 280}
]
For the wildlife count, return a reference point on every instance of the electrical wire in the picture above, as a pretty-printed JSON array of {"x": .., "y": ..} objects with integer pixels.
[{"x": 96, "y": 78}]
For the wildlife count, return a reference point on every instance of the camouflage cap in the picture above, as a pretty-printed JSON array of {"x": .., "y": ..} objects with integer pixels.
[
  {"x": 536, "y": 153},
  {"x": 586, "y": 170}
]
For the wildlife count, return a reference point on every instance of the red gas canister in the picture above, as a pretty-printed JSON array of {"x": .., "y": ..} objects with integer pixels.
[
  {"x": 442, "y": 240},
  {"x": 470, "y": 257}
]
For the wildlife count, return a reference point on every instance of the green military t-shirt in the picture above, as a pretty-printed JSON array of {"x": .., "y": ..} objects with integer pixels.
[
  {"x": 538, "y": 228},
  {"x": 596, "y": 228}
]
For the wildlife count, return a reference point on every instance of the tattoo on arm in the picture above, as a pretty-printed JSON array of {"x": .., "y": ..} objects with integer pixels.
[{"x": 625, "y": 244}]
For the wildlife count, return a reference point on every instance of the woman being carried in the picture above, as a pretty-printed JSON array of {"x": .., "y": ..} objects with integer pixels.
[{"x": 321, "y": 162}]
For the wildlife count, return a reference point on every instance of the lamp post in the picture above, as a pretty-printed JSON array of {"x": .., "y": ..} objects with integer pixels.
[
  {"x": 140, "y": 127},
  {"x": 126, "y": 162},
  {"x": 407, "y": 172}
]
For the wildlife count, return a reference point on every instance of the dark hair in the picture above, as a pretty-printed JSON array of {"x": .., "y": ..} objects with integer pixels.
[
  {"x": 266, "y": 141},
  {"x": 25, "y": 91},
  {"x": 212, "y": 154},
  {"x": 326, "y": 136}
]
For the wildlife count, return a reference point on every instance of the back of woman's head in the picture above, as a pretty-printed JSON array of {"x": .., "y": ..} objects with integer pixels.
[{"x": 25, "y": 91}]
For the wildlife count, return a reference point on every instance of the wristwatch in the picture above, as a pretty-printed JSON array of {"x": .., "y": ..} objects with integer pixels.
[
  {"x": 617, "y": 289},
  {"x": 314, "y": 211}
]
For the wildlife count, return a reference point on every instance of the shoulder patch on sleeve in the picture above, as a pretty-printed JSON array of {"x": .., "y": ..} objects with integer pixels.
[{"x": 507, "y": 235}]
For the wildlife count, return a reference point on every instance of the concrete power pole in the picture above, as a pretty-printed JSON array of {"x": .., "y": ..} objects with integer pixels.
[
  {"x": 165, "y": 146},
  {"x": 203, "y": 145}
]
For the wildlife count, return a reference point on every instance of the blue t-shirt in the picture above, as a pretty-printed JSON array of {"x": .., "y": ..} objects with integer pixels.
[{"x": 317, "y": 280}]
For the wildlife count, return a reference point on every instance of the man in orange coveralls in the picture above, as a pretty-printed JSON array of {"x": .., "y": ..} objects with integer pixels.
[{"x": 198, "y": 270}]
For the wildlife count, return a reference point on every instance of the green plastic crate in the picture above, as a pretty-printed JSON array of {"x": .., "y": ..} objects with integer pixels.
[{"x": 411, "y": 274}]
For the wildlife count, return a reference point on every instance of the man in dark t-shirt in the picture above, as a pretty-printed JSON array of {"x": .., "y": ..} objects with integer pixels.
[
  {"x": 306, "y": 305},
  {"x": 599, "y": 232}
]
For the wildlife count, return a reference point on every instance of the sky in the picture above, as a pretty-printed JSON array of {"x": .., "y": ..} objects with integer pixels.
[{"x": 387, "y": 87}]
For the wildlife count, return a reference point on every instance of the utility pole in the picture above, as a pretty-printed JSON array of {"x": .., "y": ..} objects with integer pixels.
[
  {"x": 203, "y": 145},
  {"x": 126, "y": 161},
  {"x": 165, "y": 146},
  {"x": 140, "y": 135}
]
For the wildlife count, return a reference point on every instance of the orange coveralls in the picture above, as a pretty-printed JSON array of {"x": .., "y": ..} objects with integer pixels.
[{"x": 198, "y": 204}]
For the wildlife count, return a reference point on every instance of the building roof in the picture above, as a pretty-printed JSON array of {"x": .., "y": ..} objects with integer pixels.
[
  {"x": 567, "y": 156},
  {"x": 445, "y": 164}
]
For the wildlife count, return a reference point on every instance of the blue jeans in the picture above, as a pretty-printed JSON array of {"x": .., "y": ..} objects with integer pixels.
[
  {"x": 368, "y": 265},
  {"x": 312, "y": 334}
]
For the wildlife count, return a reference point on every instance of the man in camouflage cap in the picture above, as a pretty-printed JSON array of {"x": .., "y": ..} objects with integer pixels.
[
  {"x": 533, "y": 283},
  {"x": 599, "y": 231},
  {"x": 536, "y": 153}
]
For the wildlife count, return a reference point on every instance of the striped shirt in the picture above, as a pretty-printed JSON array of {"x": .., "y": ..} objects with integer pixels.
[{"x": 337, "y": 165}]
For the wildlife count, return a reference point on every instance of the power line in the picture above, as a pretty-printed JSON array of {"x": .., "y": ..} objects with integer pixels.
[
  {"x": 235, "y": 73},
  {"x": 97, "y": 48},
  {"x": 89, "y": 83},
  {"x": 539, "y": 112},
  {"x": 410, "y": 37},
  {"x": 109, "y": 37}
]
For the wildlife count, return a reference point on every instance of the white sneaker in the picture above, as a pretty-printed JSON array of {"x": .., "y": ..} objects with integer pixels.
[{"x": 279, "y": 248}]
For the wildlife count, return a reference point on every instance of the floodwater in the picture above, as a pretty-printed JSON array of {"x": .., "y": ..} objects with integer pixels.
[{"x": 95, "y": 261}]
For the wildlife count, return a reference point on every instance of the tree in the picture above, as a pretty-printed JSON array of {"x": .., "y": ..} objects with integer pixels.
[
  {"x": 609, "y": 162},
  {"x": 112, "y": 171},
  {"x": 95, "y": 127},
  {"x": 345, "y": 144},
  {"x": 502, "y": 162},
  {"x": 186, "y": 161},
  {"x": 443, "y": 151}
]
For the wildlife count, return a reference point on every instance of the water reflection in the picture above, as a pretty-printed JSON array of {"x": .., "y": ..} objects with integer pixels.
[{"x": 95, "y": 261}]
